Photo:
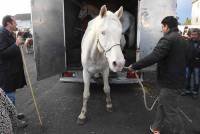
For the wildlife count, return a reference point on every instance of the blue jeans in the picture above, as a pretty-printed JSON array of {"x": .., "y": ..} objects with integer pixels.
[
  {"x": 12, "y": 96},
  {"x": 192, "y": 80}
]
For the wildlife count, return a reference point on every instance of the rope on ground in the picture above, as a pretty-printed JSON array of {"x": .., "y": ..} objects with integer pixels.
[
  {"x": 30, "y": 85},
  {"x": 151, "y": 108},
  {"x": 184, "y": 114},
  {"x": 144, "y": 94}
]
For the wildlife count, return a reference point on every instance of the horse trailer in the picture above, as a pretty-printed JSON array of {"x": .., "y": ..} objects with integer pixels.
[{"x": 57, "y": 34}]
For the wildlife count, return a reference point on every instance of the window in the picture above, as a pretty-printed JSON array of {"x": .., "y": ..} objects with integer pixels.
[{"x": 198, "y": 5}]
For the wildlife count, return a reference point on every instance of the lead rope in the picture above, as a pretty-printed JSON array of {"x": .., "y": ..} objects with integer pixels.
[
  {"x": 30, "y": 85},
  {"x": 145, "y": 100},
  {"x": 144, "y": 93}
]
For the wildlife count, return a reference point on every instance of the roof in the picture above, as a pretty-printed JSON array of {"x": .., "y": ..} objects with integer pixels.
[
  {"x": 193, "y": 1},
  {"x": 26, "y": 16}
]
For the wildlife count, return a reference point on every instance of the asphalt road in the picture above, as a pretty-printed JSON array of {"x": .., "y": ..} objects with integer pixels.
[{"x": 60, "y": 104}]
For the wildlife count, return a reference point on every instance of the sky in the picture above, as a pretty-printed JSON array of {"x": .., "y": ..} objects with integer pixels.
[
  {"x": 13, "y": 7},
  {"x": 184, "y": 8}
]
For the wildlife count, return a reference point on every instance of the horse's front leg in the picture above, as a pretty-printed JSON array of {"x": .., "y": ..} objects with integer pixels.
[
  {"x": 86, "y": 94},
  {"x": 107, "y": 90}
]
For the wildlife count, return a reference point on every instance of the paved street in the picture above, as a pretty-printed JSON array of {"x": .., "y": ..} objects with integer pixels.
[{"x": 60, "y": 105}]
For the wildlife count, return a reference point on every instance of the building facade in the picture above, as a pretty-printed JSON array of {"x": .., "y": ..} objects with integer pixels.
[
  {"x": 195, "y": 12},
  {"x": 23, "y": 20}
]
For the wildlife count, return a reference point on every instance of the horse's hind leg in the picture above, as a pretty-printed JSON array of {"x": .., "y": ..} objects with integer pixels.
[
  {"x": 107, "y": 90},
  {"x": 86, "y": 94}
]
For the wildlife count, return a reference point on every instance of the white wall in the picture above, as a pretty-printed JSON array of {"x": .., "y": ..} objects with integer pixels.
[
  {"x": 23, "y": 24},
  {"x": 196, "y": 13}
]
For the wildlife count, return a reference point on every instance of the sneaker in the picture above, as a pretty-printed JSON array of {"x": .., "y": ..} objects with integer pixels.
[
  {"x": 154, "y": 131},
  {"x": 20, "y": 116}
]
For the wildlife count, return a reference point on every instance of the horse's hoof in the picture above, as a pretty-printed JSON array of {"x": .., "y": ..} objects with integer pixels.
[
  {"x": 109, "y": 109},
  {"x": 81, "y": 121}
]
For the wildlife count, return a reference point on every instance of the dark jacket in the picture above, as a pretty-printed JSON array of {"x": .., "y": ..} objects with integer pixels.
[
  {"x": 195, "y": 59},
  {"x": 171, "y": 55},
  {"x": 11, "y": 66}
]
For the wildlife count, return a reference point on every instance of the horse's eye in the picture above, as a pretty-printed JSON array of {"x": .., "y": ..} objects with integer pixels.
[{"x": 103, "y": 33}]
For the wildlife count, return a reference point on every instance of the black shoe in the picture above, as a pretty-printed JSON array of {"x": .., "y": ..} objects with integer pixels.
[
  {"x": 154, "y": 131},
  {"x": 185, "y": 93},
  {"x": 22, "y": 124},
  {"x": 20, "y": 116}
]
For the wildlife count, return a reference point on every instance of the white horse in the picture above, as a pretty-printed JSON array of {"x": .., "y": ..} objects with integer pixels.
[
  {"x": 100, "y": 51},
  {"x": 128, "y": 27},
  {"x": 127, "y": 20}
]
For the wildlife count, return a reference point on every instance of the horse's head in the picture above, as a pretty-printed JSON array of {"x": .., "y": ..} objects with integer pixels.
[
  {"x": 88, "y": 9},
  {"x": 109, "y": 32},
  {"x": 83, "y": 11}
]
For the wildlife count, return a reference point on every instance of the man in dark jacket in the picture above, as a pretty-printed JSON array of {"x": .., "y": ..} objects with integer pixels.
[
  {"x": 193, "y": 67},
  {"x": 170, "y": 54},
  {"x": 11, "y": 66}
]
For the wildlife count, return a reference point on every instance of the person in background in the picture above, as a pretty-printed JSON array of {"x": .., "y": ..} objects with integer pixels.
[
  {"x": 199, "y": 34},
  {"x": 193, "y": 67},
  {"x": 28, "y": 42},
  {"x": 185, "y": 31},
  {"x": 171, "y": 55},
  {"x": 11, "y": 65}
]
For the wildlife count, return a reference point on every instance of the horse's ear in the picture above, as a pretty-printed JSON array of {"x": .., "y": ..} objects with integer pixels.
[
  {"x": 119, "y": 12},
  {"x": 103, "y": 11}
]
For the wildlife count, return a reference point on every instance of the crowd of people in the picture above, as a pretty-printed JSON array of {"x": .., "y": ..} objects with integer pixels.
[
  {"x": 178, "y": 67},
  {"x": 193, "y": 67}
]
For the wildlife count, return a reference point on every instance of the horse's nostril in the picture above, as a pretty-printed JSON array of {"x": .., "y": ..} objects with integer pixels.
[{"x": 114, "y": 63}]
